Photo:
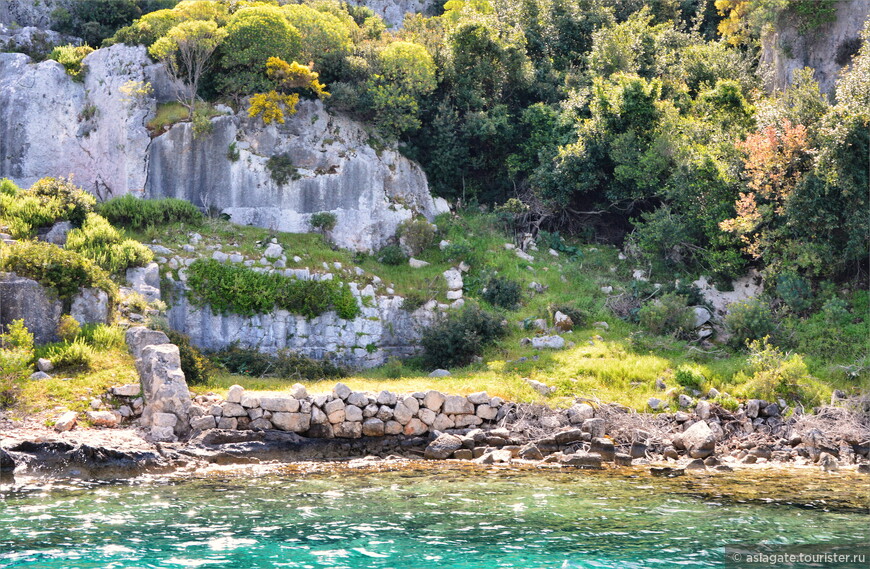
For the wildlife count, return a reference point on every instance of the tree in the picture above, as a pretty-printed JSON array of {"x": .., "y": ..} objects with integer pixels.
[
  {"x": 405, "y": 74},
  {"x": 776, "y": 160},
  {"x": 288, "y": 77},
  {"x": 186, "y": 51},
  {"x": 326, "y": 39},
  {"x": 253, "y": 36}
]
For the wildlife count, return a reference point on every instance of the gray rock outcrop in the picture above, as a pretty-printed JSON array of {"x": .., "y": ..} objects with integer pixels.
[
  {"x": 51, "y": 125},
  {"x": 26, "y": 299},
  {"x": 785, "y": 49},
  {"x": 30, "y": 12},
  {"x": 95, "y": 131},
  {"x": 333, "y": 170},
  {"x": 393, "y": 11}
]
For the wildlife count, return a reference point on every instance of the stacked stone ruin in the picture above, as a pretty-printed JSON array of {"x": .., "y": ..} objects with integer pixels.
[{"x": 345, "y": 413}]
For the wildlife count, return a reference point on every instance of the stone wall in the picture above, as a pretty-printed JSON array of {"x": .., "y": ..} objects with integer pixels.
[
  {"x": 345, "y": 413},
  {"x": 26, "y": 299},
  {"x": 382, "y": 330}
]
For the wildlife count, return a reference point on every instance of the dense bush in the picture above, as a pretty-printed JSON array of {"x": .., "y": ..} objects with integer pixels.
[
  {"x": 71, "y": 57},
  {"x": 324, "y": 221},
  {"x": 502, "y": 292},
  {"x": 239, "y": 290},
  {"x": 16, "y": 358},
  {"x": 68, "y": 328},
  {"x": 134, "y": 213},
  {"x": 196, "y": 367},
  {"x": 457, "y": 339},
  {"x": 66, "y": 272},
  {"x": 282, "y": 169},
  {"x": 689, "y": 377},
  {"x": 776, "y": 374},
  {"x": 749, "y": 320},
  {"x": 71, "y": 354},
  {"x": 416, "y": 235},
  {"x": 46, "y": 202},
  {"x": 98, "y": 241},
  {"x": 284, "y": 364},
  {"x": 668, "y": 314},
  {"x": 392, "y": 255},
  {"x": 103, "y": 337}
]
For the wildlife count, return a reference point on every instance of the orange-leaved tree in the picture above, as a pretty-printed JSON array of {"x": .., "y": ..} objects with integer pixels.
[{"x": 775, "y": 161}]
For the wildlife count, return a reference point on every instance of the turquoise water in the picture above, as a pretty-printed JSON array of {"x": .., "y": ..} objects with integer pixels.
[{"x": 459, "y": 518}]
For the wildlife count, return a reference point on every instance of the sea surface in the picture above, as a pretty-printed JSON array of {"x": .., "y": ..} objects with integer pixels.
[{"x": 433, "y": 517}]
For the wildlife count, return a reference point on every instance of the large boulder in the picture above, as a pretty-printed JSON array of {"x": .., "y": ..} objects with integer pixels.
[
  {"x": 26, "y": 299},
  {"x": 698, "y": 440},
  {"x": 31, "y": 12},
  {"x": 442, "y": 447},
  {"x": 335, "y": 170},
  {"x": 139, "y": 337}
]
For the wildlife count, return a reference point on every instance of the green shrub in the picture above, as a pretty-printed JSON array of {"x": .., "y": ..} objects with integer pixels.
[
  {"x": 750, "y": 320},
  {"x": 68, "y": 328},
  {"x": 835, "y": 333},
  {"x": 394, "y": 368},
  {"x": 233, "y": 154},
  {"x": 196, "y": 367},
  {"x": 392, "y": 255},
  {"x": 134, "y": 213},
  {"x": 16, "y": 357},
  {"x": 71, "y": 56},
  {"x": 777, "y": 374},
  {"x": 324, "y": 221},
  {"x": 284, "y": 364},
  {"x": 76, "y": 203},
  {"x": 457, "y": 339},
  {"x": 17, "y": 336},
  {"x": 416, "y": 234},
  {"x": 76, "y": 353},
  {"x": 502, "y": 292},
  {"x": 668, "y": 315},
  {"x": 458, "y": 251},
  {"x": 64, "y": 271},
  {"x": 281, "y": 169},
  {"x": 237, "y": 289},
  {"x": 103, "y": 336},
  {"x": 46, "y": 202},
  {"x": 795, "y": 292},
  {"x": 689, "y": 377},
  {"x": 100, "y": 242}
]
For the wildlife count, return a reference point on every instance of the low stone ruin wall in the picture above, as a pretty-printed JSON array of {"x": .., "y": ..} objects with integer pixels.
[{"x": 345, "y": 413}]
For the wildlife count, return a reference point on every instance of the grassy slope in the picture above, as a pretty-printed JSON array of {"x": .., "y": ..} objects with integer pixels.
[{"x": 622, "y": 366}]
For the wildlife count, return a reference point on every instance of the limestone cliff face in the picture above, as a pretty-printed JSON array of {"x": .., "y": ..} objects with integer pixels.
[
  {"x": 30, "y": 12},
  {"x": 370, "y": 192},
  {"x": 51, "y": 125},
  {"x": 393, "y": 11},
  {"x": 785, "y": 50},
  {"x": 95, "y": 131}
]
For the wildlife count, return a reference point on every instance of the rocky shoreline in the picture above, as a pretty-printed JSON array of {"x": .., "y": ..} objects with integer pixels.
[{"x": 614, "y": 438}]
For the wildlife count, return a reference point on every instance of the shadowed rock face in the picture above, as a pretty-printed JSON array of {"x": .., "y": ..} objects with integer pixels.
[
  {"x": 785, "y": 49},
  {"x": 393, "y": 11},
  {"x": 31, "y": 12},
  {"x": 333, "y": 169}
]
